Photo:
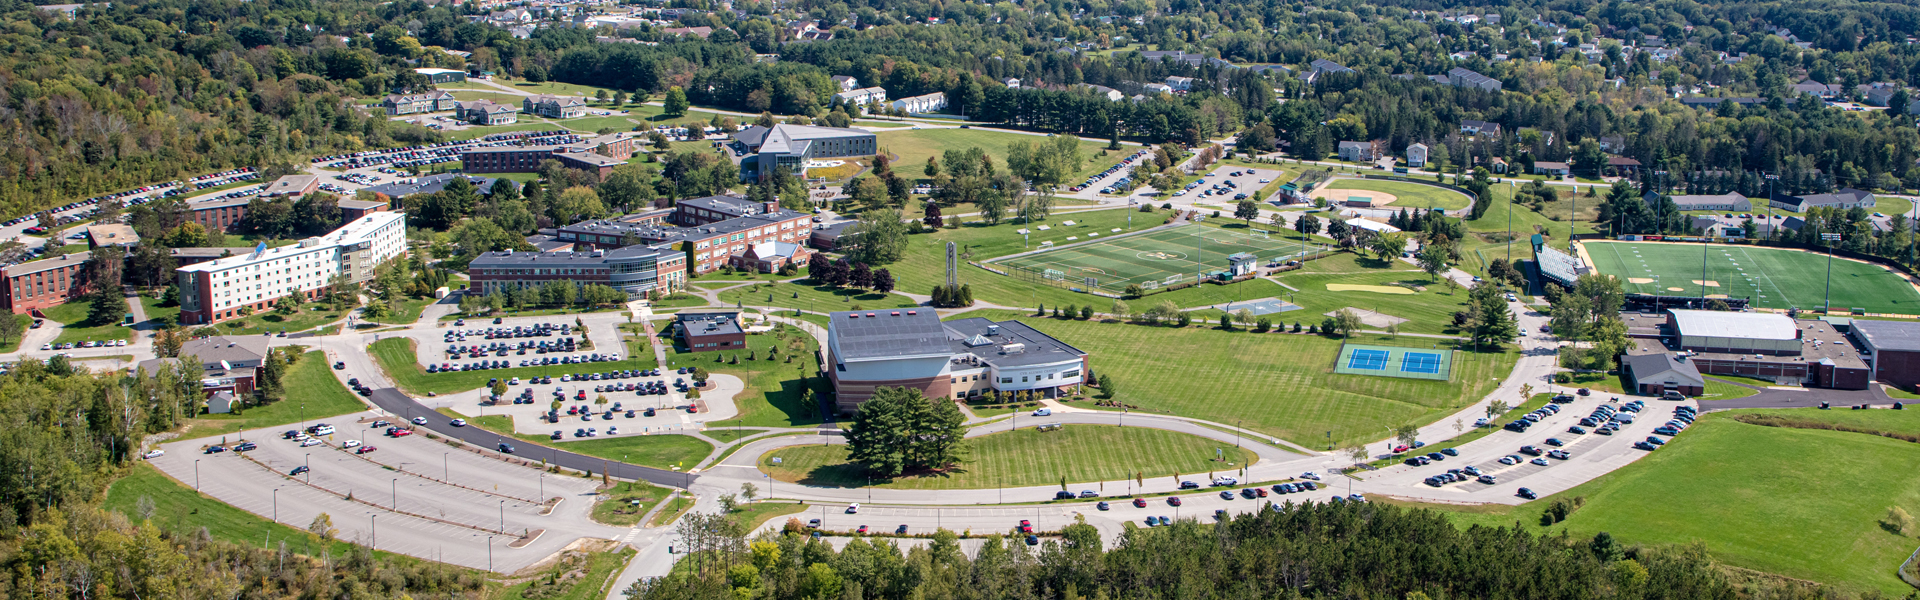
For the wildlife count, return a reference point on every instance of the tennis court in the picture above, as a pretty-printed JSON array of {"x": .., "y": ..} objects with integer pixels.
[
  {"x": 1392, "y": 361},
  {"x": 1153, "y": 260},
  {"x": 1767, "y": 277}
]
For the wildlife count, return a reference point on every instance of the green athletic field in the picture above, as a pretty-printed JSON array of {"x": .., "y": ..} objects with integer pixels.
[
  {"x": 1153, "y": 260},
  {"x": 1769, "y": 277}
]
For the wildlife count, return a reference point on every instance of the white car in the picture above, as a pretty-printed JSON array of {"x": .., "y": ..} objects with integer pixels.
[
  {"x": 310, "y": 442},
  {"x": 350, "y": 444},
  {"x": 853, "y": 509},
  {"x": 1044, "y": 412},
  {"x": 459, "y": 423},
  {"x": 1265, "y": 180},
  {"x": 419, "y": 420},
  {"x": 154, "y": 454}
]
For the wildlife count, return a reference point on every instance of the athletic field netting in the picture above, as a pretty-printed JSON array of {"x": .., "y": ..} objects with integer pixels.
[
  {"x": 1153, "y": 260},
  {"x": 1392, "y": 361}
]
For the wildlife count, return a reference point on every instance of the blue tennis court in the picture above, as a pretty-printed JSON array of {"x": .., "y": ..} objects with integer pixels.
[
  {"x": 1264, "y": 306},
  {"x": 1394, "y": 361},
  {"x": 1419, "y": 362},
  {"x": 1371, "y": 360}
]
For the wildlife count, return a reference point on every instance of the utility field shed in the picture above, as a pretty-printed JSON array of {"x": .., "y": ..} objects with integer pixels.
[{"x": 1735, "y": 332}]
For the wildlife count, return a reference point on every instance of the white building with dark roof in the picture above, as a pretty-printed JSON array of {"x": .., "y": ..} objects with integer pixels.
[
  {"x": 791, "y": 146},
  {"x": 958, "y": 359},
  {"x": 235, "y": 286}
]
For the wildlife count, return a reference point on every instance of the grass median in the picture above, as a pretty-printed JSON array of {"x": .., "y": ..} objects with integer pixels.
[{"x": 313, "y": 393}]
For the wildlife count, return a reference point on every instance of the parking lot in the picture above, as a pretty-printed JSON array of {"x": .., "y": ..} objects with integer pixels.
[
  {"x": 411, "y": 495},
  {"x": 1588, "y": 453},
  {"x": 1228, "y": 185}
]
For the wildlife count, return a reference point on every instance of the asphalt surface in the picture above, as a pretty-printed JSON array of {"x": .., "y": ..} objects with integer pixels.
[{"x": 405, "y": 407}]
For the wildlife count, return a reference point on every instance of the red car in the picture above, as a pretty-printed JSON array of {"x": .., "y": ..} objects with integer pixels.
[
  {"x": 1026, "y": 526},
  {"x": 402, "y": 432},
  {"x": 1139, "y": 502},
  {"x": 364, "y": 449},
  {"x": 863, "y": 530},
  {"x": 1399, "y": 449},
  {"x": 1175, "y": 501}
]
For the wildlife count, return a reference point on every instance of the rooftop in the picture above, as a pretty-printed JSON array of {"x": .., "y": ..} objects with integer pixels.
[
  {"x": 709, "y": 323},
  {"x": 881, "y": 334},
  {"x": 1738, "y": 325},
  {"x": 47, "y": 264},
  {"x": 291, "y": 184},
  {"x": 1649, "y": 365},
  {"x": 510, "y": 258},
  {"x": 426, "y": 185},
  {"x": 354, "y": 232},
  {"x": 1903, "y": 336},
  {"x": 112, "y": 234},
  {"x": 1009, "y": 343}
]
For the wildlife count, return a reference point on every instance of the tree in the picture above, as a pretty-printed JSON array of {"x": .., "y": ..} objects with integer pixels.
[
  {"x": 1488, "y": 318},
  {"x": 1247, "y": 211},
  {"x": 1307, "y": 225},
  {"x": 1345, "y": 323},
  {"x": 879, "y": 238},
  {"x": 882, "y": 281},
  {"x": 933, "y": 167},
  {"x": 10, "y": 328},
  {"x": 899, "y": 429},
  {"x": 1496, "y": 408},
  {"x": 676, "y": 102},
  {"x": 1388, "y": 245},
  {"x": 322, "y": 527},
  {"x": 1107, "y": 389},
  {"x": 1433, "y": 260}
]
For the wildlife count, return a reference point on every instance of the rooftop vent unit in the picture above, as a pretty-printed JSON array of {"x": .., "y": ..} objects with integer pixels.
[
  {"x": 993, "y": 330},
  {"x": 1014, "y": 348}
]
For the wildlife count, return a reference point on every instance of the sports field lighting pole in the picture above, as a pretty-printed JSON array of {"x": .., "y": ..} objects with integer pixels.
[
  {"x": 276, "y": 505},
  {"x": 1707, "y": 241},
  {"x": 196, "y": 474},
  {"x": 373, "y": 526},
  {"x": 1829, "y": 238},
  {"x": 393, "y": 489},
  {"x": 503, "y": 515},
  {"x": 1510, "y": 220}
]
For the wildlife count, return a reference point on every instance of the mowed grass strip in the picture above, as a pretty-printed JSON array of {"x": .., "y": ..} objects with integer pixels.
[
  {"x": 313, "y": 393},
  {"x": 1027, "y": 457},
  {"x": 1407, "y": 194},
  {"x": 657, "y": 451},
  {"x": 1796, "y": 502},
  {"x": 1279, "y": 384},
  {"x": 1771, "y": 277},
  {"x": 1153, "y": 257},
  {"x": 773, "y": 387},
  {"x": 912, "y": 147}
]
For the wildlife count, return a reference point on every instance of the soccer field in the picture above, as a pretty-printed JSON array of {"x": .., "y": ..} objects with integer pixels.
[
  {"x": 1153, "y": 260},
  {"x": 1769, "y": 277}
]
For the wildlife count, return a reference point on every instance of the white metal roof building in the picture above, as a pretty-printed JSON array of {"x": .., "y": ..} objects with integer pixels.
[{"x": 1735, "y": 332}]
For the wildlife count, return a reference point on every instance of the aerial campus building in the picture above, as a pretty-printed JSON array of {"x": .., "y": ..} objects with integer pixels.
[
  {"x": 958, "y": 359},
  {"x": 224, "y": 288},
  {"x": 791, "y": 146}
]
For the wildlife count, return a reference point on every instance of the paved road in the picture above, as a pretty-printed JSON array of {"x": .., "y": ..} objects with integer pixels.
[{"x": 404, "y": 406}]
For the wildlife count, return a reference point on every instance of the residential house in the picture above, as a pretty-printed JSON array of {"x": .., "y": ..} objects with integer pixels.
[
  {"x": 1417, "y": 155},
  {"x": 845, "y": 83},
  {"x": 486, "y": 112},
  {"x": 1460, "y": 77},
  {"x": 702, "y": 32},
  {"x": 1180, "y": 84},
  {"x": 418, "y": 103},
  {"x": 1731, "y": 202},
  {"x": 1809, "y": 86},
  {"x": 929, "y": 103},
  {"x": 1357, "y": 151},
  {"x": 1843, "y": 199},
  {"x": 1556, "y": 169},
  {"x": 864, "y": 96},
  {"x": 442, "y": 75},
  {"x": 1010, "y": 82},
  {"x": 1475, "y": 128},
  {"x": 225, "y": 364},
  {"x": 555, "y": 107},
  {"x": 769, "y": 257},
  {"x": 1112, "y": 95},
  {"x": 1158, "y": 88},
  {"x": 1621, "y": 165}
]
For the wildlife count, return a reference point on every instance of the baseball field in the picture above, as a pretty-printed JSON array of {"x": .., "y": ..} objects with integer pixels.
[
  {"x": 1768, "y": 277},
  {"x": 1153, "y": 260}
]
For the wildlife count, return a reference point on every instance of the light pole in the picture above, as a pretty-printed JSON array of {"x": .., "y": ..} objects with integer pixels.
[
  {"x": 393, "y": 488},
  {"x": 1829, "y": 238},
  {"x": 447, "y": 472},
  {"x": 309, "y": 467},
  {"x": 503, "y": 515},
  {"x": 490, "y": 546},
  {"x": 196, "y": 474},
  {"x": 276, "y": 505},
  {"x": 373, "y": 526}
]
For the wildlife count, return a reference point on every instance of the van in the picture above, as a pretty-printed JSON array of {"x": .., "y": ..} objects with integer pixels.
[{"x": 1673, "y": 395}]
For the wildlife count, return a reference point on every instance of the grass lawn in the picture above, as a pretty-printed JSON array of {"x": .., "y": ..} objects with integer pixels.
[
  {"x": 680, "y": 300},
  {"x": 1406, "y": 194},
  {"x": 594, "y": 570},
  {"x": 177, "y": 508},
  {"x": 1896, "y": 421},
  {"x": 536, "y": 312},
  {"x": 914, "y": 146},
  {"x": 1892, "y": 205},
  {"x": 812, "y": 297},
  {"x": 1743, "y": 490},
  {"x": 657, "y": 451},
  {"x": 751, "y": 515},
  {"x": 725, "y": 432},
  {"x": 1428, "y": 310},
  {"x": 486, "y": 130},
  {"x": 1013, "y": 459},
  {"x": 1772, "y": 277},
  {"x": 676, "y": 507},
  {"x": 497, "y": 97},
  {"x": 13, "y": 344},
  {"x": 318, "y": 395},
  {"x": 626, "y": 502},
  {"x": 76, "y": 328},
  {"x": 1230, "y": 377},
  {"x": 158, "y": 313},
  {"x": 397, "y": 358},
  {"x": 1525, "y": 222},
  {"x": 1151, "y": 259},
  {"x": 1900, "y": 394},
  {"x": 554, "y": 87},
  {"x": 772, "y": 397},
  {"x": 309, "y": 317},
  {"x": 407, "y": 311}
]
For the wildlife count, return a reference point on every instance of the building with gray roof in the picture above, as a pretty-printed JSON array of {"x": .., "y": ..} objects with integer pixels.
[
  {"x": 791, "y": 146},
  {"x": 960, "y": 359},
  {"x": 1892, "y": 350},
  {"x": 1658, "y": 373},
  {"x": 226, "y": 364},
  {"x": 428, "y": 184}
]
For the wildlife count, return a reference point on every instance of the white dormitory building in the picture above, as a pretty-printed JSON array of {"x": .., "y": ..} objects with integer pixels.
[
  {"x": 224, "y": 288},
  {"x": 930, "y": 103}
]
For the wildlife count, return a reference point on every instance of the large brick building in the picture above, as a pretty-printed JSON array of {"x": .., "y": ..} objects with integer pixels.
[
  {"x": 710, "y": 331},
  {"x": 598, "y": 155},
  {"x": 45, "y": 283},
  {"x": 1770, "y": 346},
  {"x": 1892, "y": 349},
  {"x": 635, "y": 270},
  {"x": 714, "y": 243}
]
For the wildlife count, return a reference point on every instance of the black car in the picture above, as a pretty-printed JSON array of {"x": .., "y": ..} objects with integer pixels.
[
  {"x": 1526, "y": 493},
  {"x": 298, "y": 470},
  {"x": 245, "y": 446},
  {"x": 1063, "y": 495},
  {"x": 506, "y": 447}
]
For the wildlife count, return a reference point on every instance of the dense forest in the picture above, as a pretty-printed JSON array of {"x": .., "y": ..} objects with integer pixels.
[{"x": 1339, "y": 550}]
